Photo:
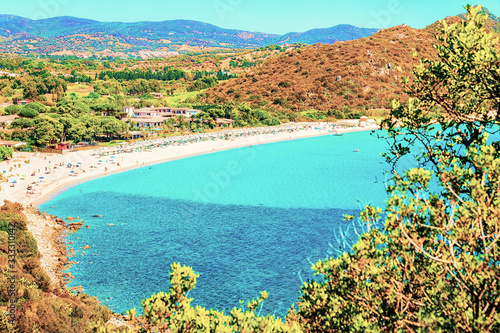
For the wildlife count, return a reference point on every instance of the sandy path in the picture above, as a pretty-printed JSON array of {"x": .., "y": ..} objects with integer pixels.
[{"x": 47, "y": 234}]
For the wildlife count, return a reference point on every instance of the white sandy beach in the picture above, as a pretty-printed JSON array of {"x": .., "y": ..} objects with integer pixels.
[{"x": 33, "y": 183}]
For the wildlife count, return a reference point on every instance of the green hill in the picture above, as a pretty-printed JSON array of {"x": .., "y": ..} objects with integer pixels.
[{"x": 66, "y": 33}]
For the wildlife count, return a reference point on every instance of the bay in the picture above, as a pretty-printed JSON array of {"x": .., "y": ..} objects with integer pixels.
[{"x": 247, "y": 220}]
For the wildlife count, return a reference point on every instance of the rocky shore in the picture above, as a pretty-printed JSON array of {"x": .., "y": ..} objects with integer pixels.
[{"x": 49, "y": 233}]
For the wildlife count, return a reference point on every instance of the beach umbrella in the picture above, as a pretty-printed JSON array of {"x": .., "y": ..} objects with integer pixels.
[
  {"x": 70, "y": 164},
  {"x": 112, "y": 157},
  {"x": 41, "y": 177},
  {"x": 14, "y": 181},
  {"x": 100, "y": 161},
  {"x": 79, "y": 163},
  {"x": 71, "y": 172},
  {"x": 23, "y": 176}
]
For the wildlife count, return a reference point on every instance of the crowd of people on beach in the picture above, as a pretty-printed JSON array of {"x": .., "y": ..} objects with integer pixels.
[{"x": 230, "y": 134}]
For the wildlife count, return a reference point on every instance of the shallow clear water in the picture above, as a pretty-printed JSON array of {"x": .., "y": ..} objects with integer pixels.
[{"x": 246, "y": 220}]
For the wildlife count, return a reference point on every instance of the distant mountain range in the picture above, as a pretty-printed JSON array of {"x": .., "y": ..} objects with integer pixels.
[{"x": 71, "y": 35}]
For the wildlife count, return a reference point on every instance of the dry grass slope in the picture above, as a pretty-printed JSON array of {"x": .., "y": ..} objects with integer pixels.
[{"x": 358, "y": 75}]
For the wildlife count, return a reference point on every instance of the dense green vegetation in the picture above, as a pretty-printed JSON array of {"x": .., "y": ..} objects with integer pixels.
[
  {"x": 6, "y": 152},
  {"x": 92, "y": 117},
  {"x": 167, "y": 74}
]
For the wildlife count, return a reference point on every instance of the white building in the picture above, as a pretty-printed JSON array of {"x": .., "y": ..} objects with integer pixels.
[
  {"x": 162, "y": 111},
  {"x": 151, "y": 122}
]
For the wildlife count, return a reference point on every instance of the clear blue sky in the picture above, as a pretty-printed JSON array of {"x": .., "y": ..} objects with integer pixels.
[{"x": 271, "y": 16}]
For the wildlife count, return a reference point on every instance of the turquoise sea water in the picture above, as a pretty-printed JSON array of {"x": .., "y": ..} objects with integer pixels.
[{"x": 247, "y": 220}]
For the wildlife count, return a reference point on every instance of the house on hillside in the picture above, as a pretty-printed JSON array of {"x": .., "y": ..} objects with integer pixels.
[
  {"x": 129, "y": 110},
  {"x": 162, "y": 111},
  {"x": 221, "y": 122},
  {"x": 185, "y": 112},
  {"x": 13, "y": 144},
  {"x": 147, "y": 122},
  {"x": 145, "y": 112},
  {"x": 24, "y": 102},
  {"x": 156, "y": 95}
]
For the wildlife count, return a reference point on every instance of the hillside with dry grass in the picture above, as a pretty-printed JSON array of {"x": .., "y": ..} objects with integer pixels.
[
  {"x": 360, "y": 74},
  {"x": 355, "y": 75}
]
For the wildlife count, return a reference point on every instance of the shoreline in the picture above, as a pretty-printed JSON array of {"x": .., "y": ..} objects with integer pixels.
[
  {"x": 50, "y": 234},
  {"x": 59, "y": 179},
  {"x": 58, "y": 170},
  {"x": 68, "y": 185}
]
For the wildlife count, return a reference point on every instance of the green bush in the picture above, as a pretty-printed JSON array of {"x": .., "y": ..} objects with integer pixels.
[
  {"x": 41, "y": 278},
  {"x": 12, "y": 218},
  {"x": 26, "y": 245},
  {"x": 28, "y": 113},
  {"x": 22, "y": 123},
  {"x": 6, "y": 152},
  {"x": 12, "y": 109},
  {"x": 40, "y": 108}
]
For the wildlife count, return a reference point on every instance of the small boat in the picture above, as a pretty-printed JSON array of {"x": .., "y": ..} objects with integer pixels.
[
  {"x": 96, "y": 215},
  {"x": 338, "y": 134},
  {"x": 356, "y": 150}
]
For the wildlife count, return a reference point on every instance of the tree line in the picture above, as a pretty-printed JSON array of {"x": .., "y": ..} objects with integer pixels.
[{"x": 167, "y": 74}]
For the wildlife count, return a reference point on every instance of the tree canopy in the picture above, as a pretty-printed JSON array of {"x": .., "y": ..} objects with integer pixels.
[
  {"x": 13, "y": 109},
  {"x": 6, "y": 152},
  {"x": 28, "y": 113},
  {"x": 72, "y": 108},
  {"x": 47, "y": 130},
  {"x": 22, "y": 123}
]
